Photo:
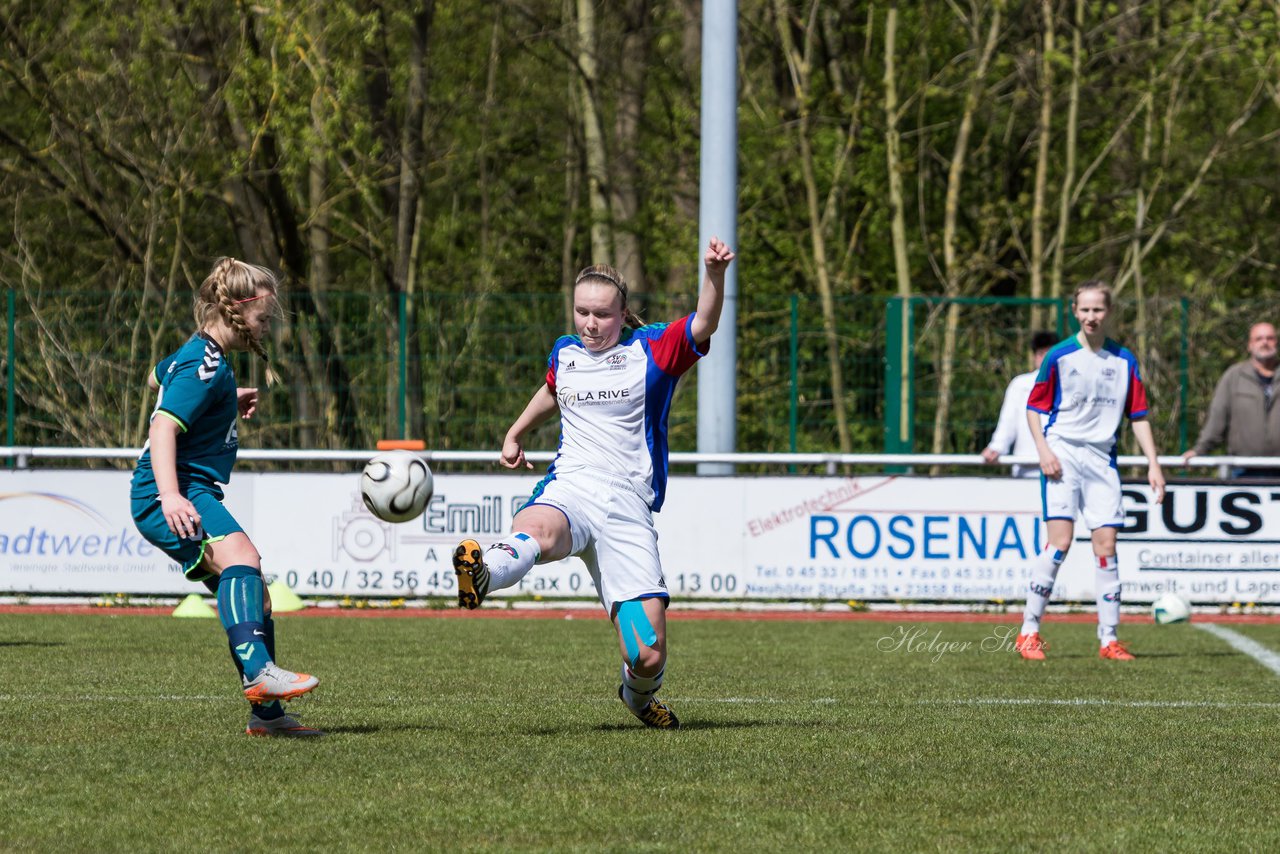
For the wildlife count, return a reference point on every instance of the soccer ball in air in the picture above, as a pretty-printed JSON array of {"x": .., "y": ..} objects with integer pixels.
[
  {"x": 1171, "y": 608},
  {"x": 396, "y": 485}
]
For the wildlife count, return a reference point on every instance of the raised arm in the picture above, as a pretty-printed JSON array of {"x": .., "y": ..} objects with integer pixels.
[
  {"x": 540, "y": 407},
  {"x": 711, "y": 298}
]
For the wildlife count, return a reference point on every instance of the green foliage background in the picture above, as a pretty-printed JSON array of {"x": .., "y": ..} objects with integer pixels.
[{"x": 433, "y": 157}]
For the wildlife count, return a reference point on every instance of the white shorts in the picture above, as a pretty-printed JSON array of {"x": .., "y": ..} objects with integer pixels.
[
  {"x": 612, "y": 531},
  {"x": 1090, "y": 483}
]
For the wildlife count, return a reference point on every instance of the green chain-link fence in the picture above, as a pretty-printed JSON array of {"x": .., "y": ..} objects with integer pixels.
[{"x": 455, "y": 370}]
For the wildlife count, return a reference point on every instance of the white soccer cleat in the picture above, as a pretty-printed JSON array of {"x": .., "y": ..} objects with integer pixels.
[
  {"x": 286, "y": 726},
  {"x": 276, "y": 683}
]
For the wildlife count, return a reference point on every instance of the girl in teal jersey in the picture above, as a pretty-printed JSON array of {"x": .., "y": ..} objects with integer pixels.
[{"x": 176, "y": 491}]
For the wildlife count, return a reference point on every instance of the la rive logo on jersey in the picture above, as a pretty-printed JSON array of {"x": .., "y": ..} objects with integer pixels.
[{"x": 569, "y": 397}]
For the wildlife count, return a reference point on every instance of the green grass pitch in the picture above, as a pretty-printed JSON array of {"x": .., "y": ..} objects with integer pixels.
[{"x": 125, "y": 732}]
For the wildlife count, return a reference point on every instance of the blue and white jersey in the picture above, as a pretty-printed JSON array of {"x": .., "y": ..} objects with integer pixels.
[
  {"x": 198, "y": 393},
  {"x": 614, "y": 404},
  {"x": 1087, "y": 394}
]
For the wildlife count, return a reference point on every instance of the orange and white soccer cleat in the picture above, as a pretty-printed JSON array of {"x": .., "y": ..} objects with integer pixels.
[
  {"x": 1115, "y": 651},
  {"x": 1031, "y": 647},
  {"x": 285, "y": 726},
  {"x": 276, "y": 683}
]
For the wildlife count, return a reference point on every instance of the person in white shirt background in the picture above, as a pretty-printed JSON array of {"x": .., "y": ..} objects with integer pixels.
[{"x": 1012, "y": 436}]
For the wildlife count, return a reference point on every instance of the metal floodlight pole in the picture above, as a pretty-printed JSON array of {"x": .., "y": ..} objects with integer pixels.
[{"x": 718, "y": 216}]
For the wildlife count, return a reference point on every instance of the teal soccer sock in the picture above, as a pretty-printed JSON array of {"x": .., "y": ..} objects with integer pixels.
[
  {"x": 240, "y": 609},
  {"x": 274, "y": 709}
]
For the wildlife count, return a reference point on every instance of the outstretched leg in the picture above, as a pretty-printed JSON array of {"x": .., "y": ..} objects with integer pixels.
[
  {"x": 242, "y": 598},
  {"x": 539, "y": 533},
  {"x": 642, "y": 637}
]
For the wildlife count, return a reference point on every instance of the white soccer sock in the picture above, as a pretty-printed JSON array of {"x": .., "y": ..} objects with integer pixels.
[
  {"x": 509, "y": 559},
  {"x": 1107, "y": 579},
  {"x": 637, "y": 691},
  {"x": 1044, "y": 570}
]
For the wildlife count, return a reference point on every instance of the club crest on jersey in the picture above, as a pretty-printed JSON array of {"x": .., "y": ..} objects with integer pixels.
[
  {"x": 209, "y": 363},
  {"x": 617, "y": 361},
  {"x": 1108, "y": 373}
]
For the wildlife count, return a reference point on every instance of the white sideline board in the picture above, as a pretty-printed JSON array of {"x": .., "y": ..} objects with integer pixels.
[{"x": 896, "y": 538}]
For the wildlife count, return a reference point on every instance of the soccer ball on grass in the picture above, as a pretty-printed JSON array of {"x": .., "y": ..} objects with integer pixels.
[
  {"x": 1171, "y": 608},
  {"x": 396, "y": 485}
]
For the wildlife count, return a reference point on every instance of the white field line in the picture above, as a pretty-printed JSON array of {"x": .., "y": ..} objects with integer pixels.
[
  {"x": 232, "y": 698},
  {"x": 1089, "y": 701},
  {"x": 739, "y": 701},
  {"x": 1239, "y": 642},
  {"x": 114, "y": 698}
]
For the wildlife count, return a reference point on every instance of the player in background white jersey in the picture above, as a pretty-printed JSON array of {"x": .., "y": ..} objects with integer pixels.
[
  {"x": 1013, "y": 433},
  {"x": 1086, "y": 385},
  {"x": 612, "y": 384}
]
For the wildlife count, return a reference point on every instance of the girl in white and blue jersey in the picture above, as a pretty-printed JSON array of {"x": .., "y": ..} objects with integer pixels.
[
  {"x": 176, "y": 491},
  {"x": 1086, "y": 386},
  {"x": 612, "y": 384}
]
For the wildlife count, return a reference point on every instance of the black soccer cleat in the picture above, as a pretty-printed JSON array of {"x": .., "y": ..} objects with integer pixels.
[
  {"x": 473, "y": 577},
  {"x": 655, "y": 714}
]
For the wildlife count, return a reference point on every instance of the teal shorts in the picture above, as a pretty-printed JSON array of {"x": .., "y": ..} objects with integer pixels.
[{"x": 216, "y": 523}]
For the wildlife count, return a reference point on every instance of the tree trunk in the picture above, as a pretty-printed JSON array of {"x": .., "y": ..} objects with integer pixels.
[
  {"x": 1069, "y": 174},
  {"x": 572, "y": 190},
  {"x": 593, "y": 136},
  {"x": 1043, "y": 130},
  {"x": 624, "y": 184},
  {"x": 799, "y": 64},
  {"x": 319, "y": 219},
  {"x": 898, "y": 227},
  {"x": 683, "y": 274},
  {"x": 951, "y": 268},
  {"x": 1140, "y": 206},
  {"x": 409, "y": 208}
]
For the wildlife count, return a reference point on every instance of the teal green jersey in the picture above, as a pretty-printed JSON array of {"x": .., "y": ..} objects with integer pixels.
[{"x": 198, "y": 393}]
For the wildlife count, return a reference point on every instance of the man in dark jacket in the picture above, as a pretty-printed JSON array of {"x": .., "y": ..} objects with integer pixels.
[{"x": 1243, "y": 411}]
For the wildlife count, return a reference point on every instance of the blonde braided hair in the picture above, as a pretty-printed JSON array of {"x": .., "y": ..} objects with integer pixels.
[{"x": 231, "y": 283}]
